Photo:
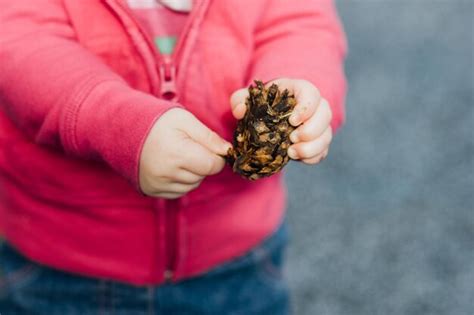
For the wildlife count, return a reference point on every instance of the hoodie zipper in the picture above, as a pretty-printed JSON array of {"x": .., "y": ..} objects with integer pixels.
[
  {"x": 167, "y": 72},
  {"x": 171, "y": 238}
]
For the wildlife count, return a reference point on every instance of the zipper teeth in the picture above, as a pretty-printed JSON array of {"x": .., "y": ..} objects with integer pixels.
[
  {"x": 171, "y": 233},
  {"x": 163, "y": 63},
  {"x": 187, "y": 27},
  {"x": 170, "y": 214},
  {"x": 120, "y": 10},
  {"x": 181, "y": 39}
]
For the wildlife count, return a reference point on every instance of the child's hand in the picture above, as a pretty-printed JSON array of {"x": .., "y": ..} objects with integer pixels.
[
  {"x": 178, "y": 153},
  {"x": 312, "y": 116}
]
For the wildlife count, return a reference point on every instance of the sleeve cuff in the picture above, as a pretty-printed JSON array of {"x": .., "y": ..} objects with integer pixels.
[{"x": 111, "y": 124}]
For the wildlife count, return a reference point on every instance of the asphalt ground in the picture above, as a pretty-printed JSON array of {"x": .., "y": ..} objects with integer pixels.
[{"x": 386, "y": 224}]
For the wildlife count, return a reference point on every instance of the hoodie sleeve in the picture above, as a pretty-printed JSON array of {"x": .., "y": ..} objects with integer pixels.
[
  {"x": 303, "y": 39},
  {"x": 61, "y": 95}
]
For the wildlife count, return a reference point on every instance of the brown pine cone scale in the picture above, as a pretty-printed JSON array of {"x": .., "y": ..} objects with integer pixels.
[{"x": 261, "y": 139}]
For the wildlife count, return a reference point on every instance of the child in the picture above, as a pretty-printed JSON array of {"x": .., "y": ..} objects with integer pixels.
[{"x": 114, "y": 194}]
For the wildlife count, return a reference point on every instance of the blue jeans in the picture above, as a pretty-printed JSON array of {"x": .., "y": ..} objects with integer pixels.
[{"x": 250, "y": 284}]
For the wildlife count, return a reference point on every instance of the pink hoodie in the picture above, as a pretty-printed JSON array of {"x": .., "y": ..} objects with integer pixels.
[{"x": 80, "y": 87}]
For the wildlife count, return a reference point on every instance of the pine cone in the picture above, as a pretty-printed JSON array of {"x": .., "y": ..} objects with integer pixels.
[{"x": 261, "y": 139}]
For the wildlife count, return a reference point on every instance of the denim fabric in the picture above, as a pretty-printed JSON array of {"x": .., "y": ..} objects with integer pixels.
[{"x": 251, "y": 284}]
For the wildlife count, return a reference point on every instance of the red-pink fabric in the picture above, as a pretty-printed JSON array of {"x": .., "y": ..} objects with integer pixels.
[{"x": 79, "y": 91}]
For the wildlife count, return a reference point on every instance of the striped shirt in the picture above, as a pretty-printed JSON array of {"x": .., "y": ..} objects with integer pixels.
[{"x": 163, "y": 19}]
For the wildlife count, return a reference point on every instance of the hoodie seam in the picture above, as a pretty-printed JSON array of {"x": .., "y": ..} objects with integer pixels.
[{"x": 72, "y": 112}]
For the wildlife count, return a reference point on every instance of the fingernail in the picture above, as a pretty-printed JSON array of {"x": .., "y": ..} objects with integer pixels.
[
  {"x": 239, "y": 108},
  {"x": 226, "y": 146},
  {"x": 295, "y": 119},
  {"x": 294, "y": 137},
  {"x": 239, "y": 111},
  {"x": 292, "y": 153}
]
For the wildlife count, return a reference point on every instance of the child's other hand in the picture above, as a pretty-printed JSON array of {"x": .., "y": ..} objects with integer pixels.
[
  {"x": 178, "y": 153},
  {"x": 312, "y": 116}
]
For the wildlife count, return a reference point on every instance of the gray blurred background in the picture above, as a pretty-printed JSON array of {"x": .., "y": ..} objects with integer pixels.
[{"x": 386, "y": 224}]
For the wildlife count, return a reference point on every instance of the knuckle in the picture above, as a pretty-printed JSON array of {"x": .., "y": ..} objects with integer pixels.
[
  {"x": 304, "y": 150},
  {"x": 183, "y": 189},
  {"x": 328, "y": 139},
  {"x": 195, "y": 185},
  {"x": 327, "y": 108},
  {"x": 318, "y": 148},
  {"x": 311, "y": 161},
  {"x": 174, "y": 157},
  {"x": 196, "y": 179},
  {"x": 179, "y": 160},
  {"x": 209, "y": 166},
  {"x": 211, "y": 136},
  {"x": 217, "y": 165},
  {"x": 325, "y": 143},
  {"x": 307, "y": 133},
  {"x": 326, "y": 153}
]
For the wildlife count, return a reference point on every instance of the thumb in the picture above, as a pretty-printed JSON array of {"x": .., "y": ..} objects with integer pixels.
[
  {"x": 237, "y": 103},
  {"x": 201, "y": 134}
]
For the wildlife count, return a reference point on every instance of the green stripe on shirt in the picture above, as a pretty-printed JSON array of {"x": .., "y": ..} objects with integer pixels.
[{"x": 165, "y": 44}]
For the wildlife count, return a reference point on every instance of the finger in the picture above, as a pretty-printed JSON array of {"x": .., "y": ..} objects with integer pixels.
[
  {"x": 237, "y": 103},
  {"x": 178, "y": 188},
  {"x": 307, "y": 98},
  {"x": 200, "y": 161},
  {"x": 168, "y": 195},
  {"x": 317, "y": 159},
  {"x": 308, "y": 150},
  {"x": 186, "y": 177},
  {"x": 199, "y": 132},
  {"x": 182, "y": 183},
  {"x": 174, "y": 190},
  {"x": 315, "y": 126},
  {"x": 325, "y": 154}
]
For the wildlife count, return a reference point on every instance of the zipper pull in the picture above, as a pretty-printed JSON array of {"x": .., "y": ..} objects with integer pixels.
[{"x": 167, "y": 71}]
